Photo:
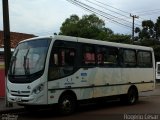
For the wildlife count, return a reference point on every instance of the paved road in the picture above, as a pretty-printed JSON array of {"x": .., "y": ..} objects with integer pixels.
[{"x": 148, "y": 108}]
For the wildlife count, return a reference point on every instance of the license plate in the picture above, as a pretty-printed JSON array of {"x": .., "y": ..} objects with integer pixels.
[{"x": 17, "y": 99}]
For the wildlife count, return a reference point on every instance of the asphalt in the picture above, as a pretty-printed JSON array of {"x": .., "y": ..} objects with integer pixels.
[{"x": 17, "y": 108}]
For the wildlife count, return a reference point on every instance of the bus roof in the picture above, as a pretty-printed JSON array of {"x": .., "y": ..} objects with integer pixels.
[{"x": 92, "y": 41}]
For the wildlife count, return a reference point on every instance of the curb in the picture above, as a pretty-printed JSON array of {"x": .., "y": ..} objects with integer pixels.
[{"x": 11, "y": 110}]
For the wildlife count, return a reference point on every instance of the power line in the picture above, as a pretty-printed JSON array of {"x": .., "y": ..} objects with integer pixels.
[
  {"x": 125, "y": 16},
  {"x": 96, "y": 11},
  {"x": 107, "y": 9},
  {"x": 153, "y": 10},
  {"x": 123, "y": 19},
  {"x": 112, "y": 7},
  {"x": 149, "y": 13},
  {"x": 141, "y": 13}
]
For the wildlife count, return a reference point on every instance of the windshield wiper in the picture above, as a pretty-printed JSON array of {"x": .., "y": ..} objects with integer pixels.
[
  {"x": 13, "y": 61},
  {"x": 26, "y": 64}
]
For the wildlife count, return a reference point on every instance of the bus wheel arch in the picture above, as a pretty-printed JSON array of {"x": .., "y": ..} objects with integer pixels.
[
  {"x": 132, "y": 95},
  {"x": 67, "y": 102}
]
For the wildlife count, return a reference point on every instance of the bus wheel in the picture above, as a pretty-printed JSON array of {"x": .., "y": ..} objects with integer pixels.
[
  {"x": 132, "y": 96},
  {"x": 67, "y": 104}
]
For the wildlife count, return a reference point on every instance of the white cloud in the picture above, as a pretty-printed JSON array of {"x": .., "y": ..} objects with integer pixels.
[
  {"x": 46, "y": 16},
  {"x": 38, "y": 16}
]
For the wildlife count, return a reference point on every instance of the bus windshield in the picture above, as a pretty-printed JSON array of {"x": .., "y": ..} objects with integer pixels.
[{"x": 29, "y": 57}]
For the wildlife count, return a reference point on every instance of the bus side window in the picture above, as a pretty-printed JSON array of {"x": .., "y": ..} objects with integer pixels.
[
  {"x": 112, "y": 56},
  {"x": 89, "y": 58},
  {"x": 100, "y": 59},
  {"x": 107, "y": 56},
  {"x": 129, "y": 58},
  {"x": 144, "y": 59},
  {"x": 88, "y": 55},
  {"x": 55, "y": 59},
  {"x": 62, "y": 62}
]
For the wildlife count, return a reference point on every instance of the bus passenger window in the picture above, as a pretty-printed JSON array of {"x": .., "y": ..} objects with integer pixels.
[
  {"x": 144, "y": 59},
  {"x": 88, "y": 55},
  {"x": 129, "y": 58},
  {"x": 62, "y": 63},
  {"x": 100, "y": 58},
  {"x": 107, "y": 56},
  {"x": 89, "y": 58},
  {"x": 112, "y": 56},
  {"x": 55, "y": 59}
]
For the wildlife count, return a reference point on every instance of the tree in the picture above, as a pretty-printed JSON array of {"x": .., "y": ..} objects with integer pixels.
[
  {"x": 120, "y": 38},
  {"x": 157, "y": 28},
  {"x": 89, "y": 26},
  {"x": 149, "y": 35},
  {"x": 70, "y": 26},
  {"x": 147, "y": 29}
]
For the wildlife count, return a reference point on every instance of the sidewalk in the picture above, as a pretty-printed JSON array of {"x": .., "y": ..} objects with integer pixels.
[{"x": 4, "y": 109}]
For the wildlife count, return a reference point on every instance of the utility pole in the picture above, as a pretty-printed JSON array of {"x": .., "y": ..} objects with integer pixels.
[
  {"x": 133, "y": 17},
  {"x": 6, "y": 38}
]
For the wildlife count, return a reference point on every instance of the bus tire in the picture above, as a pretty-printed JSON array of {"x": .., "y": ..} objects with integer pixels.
[
  {"x": 67, "y": 104},
  {"x": 132, "y": 96}
]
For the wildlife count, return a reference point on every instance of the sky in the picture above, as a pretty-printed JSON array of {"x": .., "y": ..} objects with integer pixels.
[{"x": 45, "y": 17}]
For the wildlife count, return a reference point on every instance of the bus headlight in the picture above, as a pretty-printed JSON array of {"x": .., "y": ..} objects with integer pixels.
[{"x": 38, "y": 89}]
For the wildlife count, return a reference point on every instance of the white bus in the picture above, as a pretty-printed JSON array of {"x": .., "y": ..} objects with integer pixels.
[
  {"x": 157, "y": 71},
  {"x": 2, "y": 73},
  {"x": 63, "y": 70}
]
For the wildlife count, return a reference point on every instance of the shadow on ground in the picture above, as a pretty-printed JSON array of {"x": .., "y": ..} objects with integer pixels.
[{"x": 52, "y": 113}]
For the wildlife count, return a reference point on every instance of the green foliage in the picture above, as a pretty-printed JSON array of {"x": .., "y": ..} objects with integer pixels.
[
  {"x": 69, "y": 27},
  {"x": 149, "y": 36},
  {"x": 157, "y": 27},
  {"x": 120, "y": 38},
  {"x": 90, "y": 26},
  {"x": 149, "y": 29},
  {"x": 137, "y": 30}
]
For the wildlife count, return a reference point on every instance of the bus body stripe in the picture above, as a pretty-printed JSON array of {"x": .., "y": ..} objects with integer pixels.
[{"x": 107, "y": 85}]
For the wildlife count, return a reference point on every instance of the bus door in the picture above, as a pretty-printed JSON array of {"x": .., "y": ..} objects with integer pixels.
[
  {"x": 88, "y": 69},
  {"x": 108, "y": 73},
  {"x": 62, "y": 66}
]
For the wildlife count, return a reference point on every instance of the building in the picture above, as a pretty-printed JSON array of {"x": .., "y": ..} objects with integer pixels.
[{"x": 15, "y": 38}]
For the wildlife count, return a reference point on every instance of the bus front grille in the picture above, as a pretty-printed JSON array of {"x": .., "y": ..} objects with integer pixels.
[{"x": 20, "y": 93}]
